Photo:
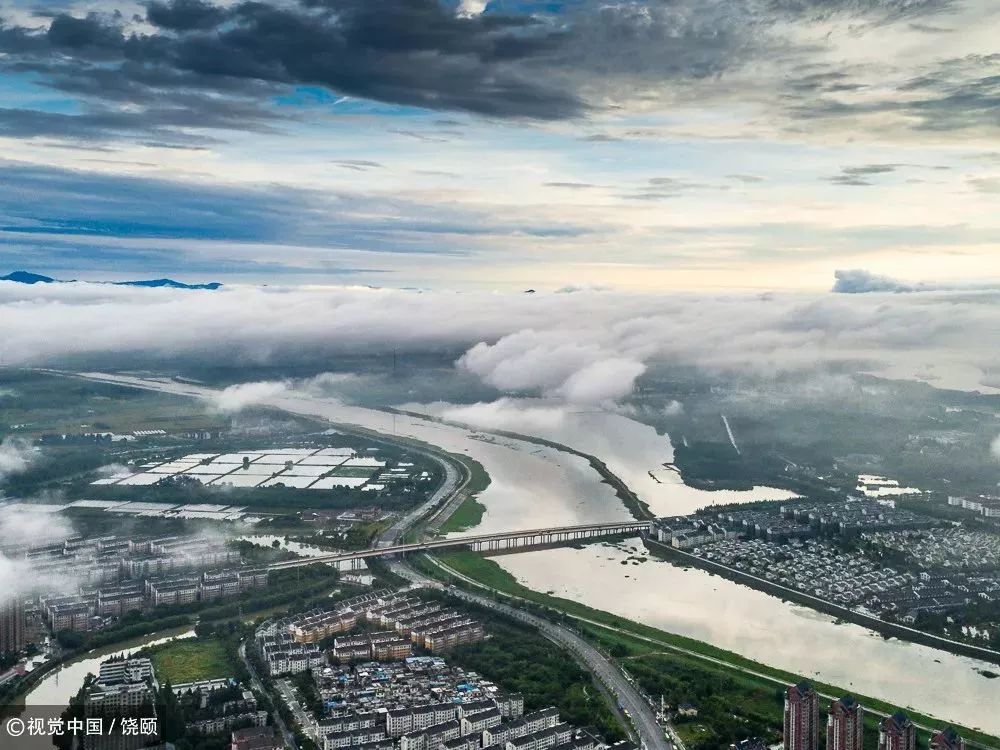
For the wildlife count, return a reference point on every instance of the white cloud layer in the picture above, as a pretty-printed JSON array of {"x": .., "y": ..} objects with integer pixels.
[
  {"x": 514, "y": 415},
  {"x": 235, "y": 398},
  {"x": 16, "y": 455},
  {"x": 585, "y": 347},
  {"x": 19, "y": 577}
]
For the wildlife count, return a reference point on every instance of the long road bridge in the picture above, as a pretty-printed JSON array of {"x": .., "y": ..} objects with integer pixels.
[{"x": 506, "y": 541}]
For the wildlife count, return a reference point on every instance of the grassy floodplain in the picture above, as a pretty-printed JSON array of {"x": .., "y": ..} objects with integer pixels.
[{"x": 468, "y": 515}]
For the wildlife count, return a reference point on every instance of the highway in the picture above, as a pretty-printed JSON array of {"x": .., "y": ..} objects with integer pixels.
[{"x": 755, "y": 673}]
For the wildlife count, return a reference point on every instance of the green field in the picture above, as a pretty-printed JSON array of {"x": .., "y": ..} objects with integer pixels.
[
  {"x": 192, "y": 659},
  {"x": 466, "y": 516},
  {"x": 363, "y": 472},
  {"x": 43, "y": 403},
  {"x": 633, "y": 637}
]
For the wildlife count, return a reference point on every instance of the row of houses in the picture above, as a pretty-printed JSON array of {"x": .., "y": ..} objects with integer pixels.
[
  {"x": 802, "y": 520},
  {"x": 385, "y": 645},
  {"x": 426, "y": 625},
  {"x": 89, "y": 608},
  {"x": 453, "y": 727},
  {"x": 110, "y": 559},
  {"x": 987, "y": 506}
]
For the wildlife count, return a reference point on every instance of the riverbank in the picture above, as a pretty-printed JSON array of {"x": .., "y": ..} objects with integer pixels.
[
  {"x": 679, "y": 557},
  {"x": 534, "y": 486}
]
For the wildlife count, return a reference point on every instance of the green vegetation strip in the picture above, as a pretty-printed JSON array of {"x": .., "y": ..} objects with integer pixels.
[
  {"x": 490, "y": 574},
  {"x": 466, "y": 516}
]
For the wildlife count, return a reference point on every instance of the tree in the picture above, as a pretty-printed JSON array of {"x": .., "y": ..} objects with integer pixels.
[{"x": 171, "y": 714}]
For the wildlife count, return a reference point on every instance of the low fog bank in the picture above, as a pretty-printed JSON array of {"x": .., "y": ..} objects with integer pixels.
[
  {"x": 584, "y": 347},
  {"x": 16, "y": 455},
  {"x": 18, "y": 576}
]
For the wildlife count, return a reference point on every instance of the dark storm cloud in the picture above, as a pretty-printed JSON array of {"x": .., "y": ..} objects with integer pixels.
[
  {"x": 89, "y": 38},
  {"x": 415, "y": 53},
  {"x": 200, "y": 64},
  {"x": 184, "y": 15}
]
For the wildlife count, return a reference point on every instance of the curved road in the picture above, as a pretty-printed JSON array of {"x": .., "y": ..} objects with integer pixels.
[{"x": 640, "y": 713}]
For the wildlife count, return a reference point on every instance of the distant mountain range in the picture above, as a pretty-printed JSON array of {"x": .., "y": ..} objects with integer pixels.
[{"x": 26, "y": 277}]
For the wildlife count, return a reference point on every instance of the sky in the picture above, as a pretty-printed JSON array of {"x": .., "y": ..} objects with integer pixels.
[{"x": 703, "y": 145}]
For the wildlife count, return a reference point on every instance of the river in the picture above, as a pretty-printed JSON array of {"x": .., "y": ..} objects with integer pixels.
[
  {"x": 533, "y": 486},
  {"x": 709, "y": 608},
  {"x": 57, "y": 687},
  {"x": 633, "y": 451}
]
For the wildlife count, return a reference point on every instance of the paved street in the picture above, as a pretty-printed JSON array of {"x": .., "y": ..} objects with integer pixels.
[
  {"x": 259, "y": 686},
  {"x": 302, "y": 716}
]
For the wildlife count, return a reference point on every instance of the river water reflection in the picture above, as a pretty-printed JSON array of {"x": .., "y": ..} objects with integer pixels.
[
  {"x": 57, "y": 687},
  {"x": 709, "y": 608},
  {"x": 633, "y": 451}
]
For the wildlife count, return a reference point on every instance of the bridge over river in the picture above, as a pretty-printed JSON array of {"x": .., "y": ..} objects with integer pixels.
[{"x": 486, "y": 543}]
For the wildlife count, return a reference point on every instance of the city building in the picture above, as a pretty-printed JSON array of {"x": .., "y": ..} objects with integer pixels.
[
  {"x": 897, "y": 732},
  {"x": 946, "y": 739},
  {"x": 114, "y": 671},
  {"x": 123, "y": 687},
  {"x": 380, "y": 646},
  {"x": 802, "y": 718},
  {"x": 255, "y": 738},
  {"x": 11, "y": 625},
  {"x": 845, "y": 725}
]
